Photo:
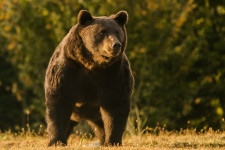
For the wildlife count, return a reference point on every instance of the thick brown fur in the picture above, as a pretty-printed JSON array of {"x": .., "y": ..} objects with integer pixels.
[{"x": 89, "y": 78}]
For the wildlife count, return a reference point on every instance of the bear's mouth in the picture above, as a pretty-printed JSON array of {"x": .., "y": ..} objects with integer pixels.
[
  {"x": 105, "y": 57},
  {"x": 110, "y": 55}
]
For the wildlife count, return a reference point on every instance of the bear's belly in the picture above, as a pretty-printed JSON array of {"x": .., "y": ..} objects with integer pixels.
[{"x": 85, "y": 112}]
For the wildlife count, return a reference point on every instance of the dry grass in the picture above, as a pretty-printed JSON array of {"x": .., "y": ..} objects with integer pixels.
[{"x": 185, "y": 139}]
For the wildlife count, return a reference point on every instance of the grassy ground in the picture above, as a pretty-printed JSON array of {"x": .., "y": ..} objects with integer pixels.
[{"x": 185, "y": 139}]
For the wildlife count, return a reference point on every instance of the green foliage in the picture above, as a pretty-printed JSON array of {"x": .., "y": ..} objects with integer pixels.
[
  {"x": 9, "y": 96},
  {"x": 176, "y": 49}
]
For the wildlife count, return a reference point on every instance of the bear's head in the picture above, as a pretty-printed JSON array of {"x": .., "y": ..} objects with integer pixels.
[{"x": 101, "y": 40}]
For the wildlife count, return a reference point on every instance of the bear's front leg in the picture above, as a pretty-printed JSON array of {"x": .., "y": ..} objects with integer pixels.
[
  {"x": 58, "y": 121},
  {"x": 115, "y": 118}
]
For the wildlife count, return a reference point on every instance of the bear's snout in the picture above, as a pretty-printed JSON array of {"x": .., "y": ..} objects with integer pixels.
[{"x": 116, "y": 46}]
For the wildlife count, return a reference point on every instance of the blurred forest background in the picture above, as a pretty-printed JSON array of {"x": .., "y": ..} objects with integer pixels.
[{"x": 176, "y": 49}]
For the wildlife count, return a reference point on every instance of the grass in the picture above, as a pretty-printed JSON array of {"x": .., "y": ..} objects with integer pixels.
[{"x": 184, "y": 139}]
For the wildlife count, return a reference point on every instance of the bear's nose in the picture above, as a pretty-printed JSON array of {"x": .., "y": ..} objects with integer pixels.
[{"x": 116, "y": 46}]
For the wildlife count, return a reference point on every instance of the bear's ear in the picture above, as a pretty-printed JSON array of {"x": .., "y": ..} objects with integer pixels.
[
  {"x": 84, "y": 17},
  {"x": 121, "y": 17}
]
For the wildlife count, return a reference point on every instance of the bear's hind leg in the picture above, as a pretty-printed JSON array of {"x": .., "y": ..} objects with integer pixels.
[
  {"x": 72, "y": 124},
  {"x": 98, "y": 128}
]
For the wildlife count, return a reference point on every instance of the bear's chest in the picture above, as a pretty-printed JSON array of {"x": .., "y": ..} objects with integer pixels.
[{"x": 84, "y": 87}]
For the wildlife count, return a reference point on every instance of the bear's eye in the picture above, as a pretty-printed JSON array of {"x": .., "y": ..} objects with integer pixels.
[
  {"x": 103, "y": 32},
  {"x": 117, "y": 32}
]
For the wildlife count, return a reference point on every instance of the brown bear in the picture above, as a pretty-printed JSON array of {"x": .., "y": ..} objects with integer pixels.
[{"x": 89, "y": 78}]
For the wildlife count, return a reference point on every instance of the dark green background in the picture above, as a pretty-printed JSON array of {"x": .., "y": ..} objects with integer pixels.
[{"x": 176, "y": 49}]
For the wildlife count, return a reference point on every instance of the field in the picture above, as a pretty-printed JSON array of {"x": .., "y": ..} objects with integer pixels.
[{"x": 184, "y": 139}]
